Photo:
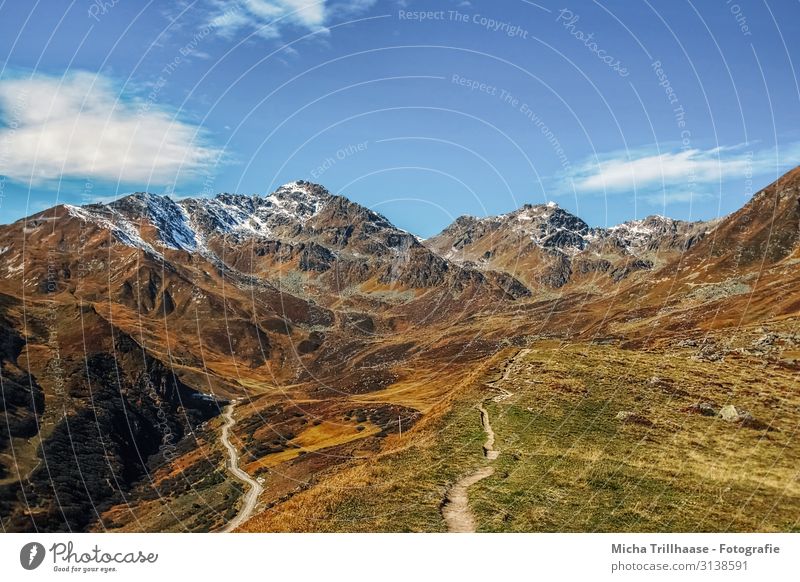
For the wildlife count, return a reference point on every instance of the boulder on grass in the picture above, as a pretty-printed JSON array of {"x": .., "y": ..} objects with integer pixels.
[{"x": 728, "y": 413}]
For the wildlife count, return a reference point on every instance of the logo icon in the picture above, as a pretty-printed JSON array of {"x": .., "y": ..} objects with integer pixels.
[{"x": 31, "y": 555}]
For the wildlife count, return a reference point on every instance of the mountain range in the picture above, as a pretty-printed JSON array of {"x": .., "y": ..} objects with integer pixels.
[{"x": 128, "y": 326}]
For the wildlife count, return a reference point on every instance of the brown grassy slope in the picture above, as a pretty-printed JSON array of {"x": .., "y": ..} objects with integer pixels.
[{"x": 568, "y": 463}]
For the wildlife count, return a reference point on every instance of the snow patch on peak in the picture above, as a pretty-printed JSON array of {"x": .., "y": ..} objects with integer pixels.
[
  {"x": 634, "y": 227},
  {"x": 298, "y": 200},
  {"x": 170, "y": 220},
  {"x": 223, "y": 214},
  {"x": 638, "y": 234},
  {"x": 254, "y": 216},
  {"x": 298, "y": 186},
  {"x": 649, "y": 225},
  {"x": 111, "y": 220}
]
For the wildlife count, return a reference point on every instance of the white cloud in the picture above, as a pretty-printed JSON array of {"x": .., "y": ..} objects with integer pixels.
[
  {"x": 679, "y": 175},
  {"x": 79, "y": 127},
  {"x": 268, "y": 17}
]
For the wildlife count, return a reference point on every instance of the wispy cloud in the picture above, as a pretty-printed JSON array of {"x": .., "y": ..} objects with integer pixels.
[
  {"x": 268, "y": 18},
  {"x": 79, "y": 126},
  {"x": 681, "y": 174}
]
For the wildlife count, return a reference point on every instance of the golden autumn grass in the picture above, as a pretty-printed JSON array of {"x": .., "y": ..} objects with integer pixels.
[{"x": 569, "y": 463}]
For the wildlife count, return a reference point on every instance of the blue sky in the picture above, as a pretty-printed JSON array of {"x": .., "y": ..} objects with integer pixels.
[{"x": 422, "y": 110}]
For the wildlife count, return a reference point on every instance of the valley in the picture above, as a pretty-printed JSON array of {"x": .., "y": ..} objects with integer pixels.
[{"x": 295, "y": 362}]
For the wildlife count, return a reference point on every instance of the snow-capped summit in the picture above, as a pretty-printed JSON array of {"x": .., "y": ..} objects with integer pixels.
[
  {"x": 187, "y": 224},
  {"x": 545, "y": 225},
  {"x": 298, "y": 200},
  {"x": 245, "y": 216},
  {"x": 300, "y": 212}
]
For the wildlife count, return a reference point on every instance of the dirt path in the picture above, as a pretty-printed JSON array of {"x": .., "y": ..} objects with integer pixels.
[
  {"x": 488, "y": 447},
  {"x": 456, "y": 512},
  {"x": 510, "y": 367},
  {"x": 251, "y": 497},
  {"x": 455, "y": 508}
]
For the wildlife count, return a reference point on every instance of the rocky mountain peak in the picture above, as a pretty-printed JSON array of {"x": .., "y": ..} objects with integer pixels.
[
  {"x": 548, "y": 243},
  {"x": 550, "y": 225},
  {"x": 299, "y": 199},
  {"x": 545, "y": 225},
  {"x": 654, "y": 232},
  {"x": 298, "y": 211}
]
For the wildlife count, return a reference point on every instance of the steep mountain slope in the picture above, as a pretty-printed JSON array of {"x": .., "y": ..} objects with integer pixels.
[
  {"x": 764, "y": 232},
  {"x": 744, "y": 270}
]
